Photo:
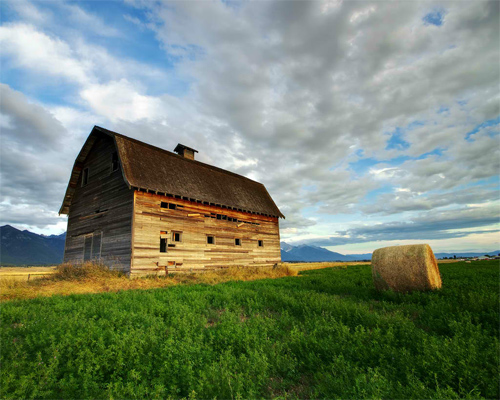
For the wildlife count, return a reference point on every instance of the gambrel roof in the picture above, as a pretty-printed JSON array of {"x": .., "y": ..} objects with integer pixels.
[{"x": 149, "y": 168}]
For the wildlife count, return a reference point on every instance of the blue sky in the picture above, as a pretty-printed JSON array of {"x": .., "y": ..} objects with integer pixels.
[{"x": 370, "y": 123}]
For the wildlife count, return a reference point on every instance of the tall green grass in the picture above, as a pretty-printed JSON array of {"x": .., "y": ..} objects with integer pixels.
[{"x": 325, "y": 334}]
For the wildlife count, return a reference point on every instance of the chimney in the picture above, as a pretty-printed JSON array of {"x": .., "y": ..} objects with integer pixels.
[{"x": 185, "y": 151}]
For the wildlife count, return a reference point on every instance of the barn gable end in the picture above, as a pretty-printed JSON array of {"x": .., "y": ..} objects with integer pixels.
[{"x": 100, "y": 212}]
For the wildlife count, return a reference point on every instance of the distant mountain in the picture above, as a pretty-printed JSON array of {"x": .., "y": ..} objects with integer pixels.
[
  {"x": 461, "y": 254},
  {"x": 305, "y": 253},
  {"x": 285, "y": 246},
  {"x": 61, "y": 236},
  {"x": 361, "y": 257},
  {"x": 28, "y": 248}
]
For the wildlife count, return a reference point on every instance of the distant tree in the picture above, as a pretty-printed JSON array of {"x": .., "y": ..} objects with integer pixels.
[
  {"x": 486, "y": 255},
  {"x": 455, "y": 257}
]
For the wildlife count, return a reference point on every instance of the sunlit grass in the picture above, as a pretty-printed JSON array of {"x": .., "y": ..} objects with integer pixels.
[
  {"x": 95, "y": 278},
  {"x": 324, "y": 334}
]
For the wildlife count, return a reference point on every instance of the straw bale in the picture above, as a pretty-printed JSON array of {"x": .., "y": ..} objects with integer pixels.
[{"x": 405, "y": 268}]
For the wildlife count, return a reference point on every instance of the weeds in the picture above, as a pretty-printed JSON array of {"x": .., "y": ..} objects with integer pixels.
[{"x": 86, "y": 271}]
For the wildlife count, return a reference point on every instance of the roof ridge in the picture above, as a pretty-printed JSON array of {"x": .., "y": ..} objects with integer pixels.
[{"x": 107, "y": 131}]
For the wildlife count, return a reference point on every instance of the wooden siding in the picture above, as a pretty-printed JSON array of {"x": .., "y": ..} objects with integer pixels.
[
  {"x": 193, "y": 252},
  {"x": 104, "y": 205}
]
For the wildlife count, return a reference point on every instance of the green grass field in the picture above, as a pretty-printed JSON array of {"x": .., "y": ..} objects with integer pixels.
[{"x": 324, "y": 334}]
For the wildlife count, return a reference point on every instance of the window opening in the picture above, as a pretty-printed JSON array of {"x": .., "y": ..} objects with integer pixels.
[
  {"x": 176, "y": 236},
  {"x": 230, "y": 219},
  {"x": 163, "y": 245},
  {"x": 96, "y": 246},
  {"x": 237, "y": 242},
  {"x": 163, "y": 241},
  {"x": 261, "y": 243},
  {"x": 114, "y": 161},
  {"x": 85, "y": 177},
  {"x": 170, "y": 206},
  {"x": 210, "y": 239},
  {"x": 87, "y": 248}
]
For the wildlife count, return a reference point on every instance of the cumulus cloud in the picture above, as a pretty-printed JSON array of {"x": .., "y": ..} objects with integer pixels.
[
  {"x": 33, "y": 165},
  {"x": 121, "y": 101},
  {"x": 429, "y": 226},
  {"x": 72, "y": 61},
  {"x": 406, "y": 200},
  {"x": 27, "y": 123},
  {"x": 30, "y": 49},
  {"x": 305, "y": 88},
  {"x": 292, "y": 93}
]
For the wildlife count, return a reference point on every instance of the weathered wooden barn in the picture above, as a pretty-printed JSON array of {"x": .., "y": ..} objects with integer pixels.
[{"x": 142, "y": 209}]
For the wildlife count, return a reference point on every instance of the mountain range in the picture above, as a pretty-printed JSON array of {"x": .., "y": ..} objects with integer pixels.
[
  {"x": 27, "y": 248},
  {"x": 307, "y": 253}
]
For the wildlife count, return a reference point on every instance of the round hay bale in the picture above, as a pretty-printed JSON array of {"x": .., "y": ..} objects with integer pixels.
[{"x": 405, "y": 268}]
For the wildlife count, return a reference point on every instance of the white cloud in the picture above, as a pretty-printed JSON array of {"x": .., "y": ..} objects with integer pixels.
[
  {"x": 74, "y": 60},
  {"x": 29, "y": 12},
  {"x": 31, "y": 49},
  {"x": 91, "y": 22},
  {"x": 290, "y": 93},
  {"x": 119, "y": 100}
]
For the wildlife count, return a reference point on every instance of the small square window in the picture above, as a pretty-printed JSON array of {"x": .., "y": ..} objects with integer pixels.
[
  {"x": 261, "y": 243},
  {"x": 176, "y": 236},
  {"x": 237, "y": 242},
  {"x": 85, "y": 177},
  {"x": 172, "y": 206},
  {"x": 210, "y": 239}
]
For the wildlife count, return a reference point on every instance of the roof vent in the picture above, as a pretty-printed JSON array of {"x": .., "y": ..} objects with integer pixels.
[{"x": 184, "y": 151}]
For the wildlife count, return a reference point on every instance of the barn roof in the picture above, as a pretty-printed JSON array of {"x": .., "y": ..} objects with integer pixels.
[{"x": 150, "y": 168}]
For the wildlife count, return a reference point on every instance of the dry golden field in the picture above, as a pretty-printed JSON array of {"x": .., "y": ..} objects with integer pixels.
[
  {"x": 320, "y": 265},
  {"x": 30, "y": 282},
  {"x": 91, "y": 278},
  {"x": 22, "y": 273}
]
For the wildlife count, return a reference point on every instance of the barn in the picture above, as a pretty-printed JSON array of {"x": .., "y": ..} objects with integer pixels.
[{"x": 141, "y": 209}]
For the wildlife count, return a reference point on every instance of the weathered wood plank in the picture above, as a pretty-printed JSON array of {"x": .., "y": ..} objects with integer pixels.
[{"x": 193, "y": 251}]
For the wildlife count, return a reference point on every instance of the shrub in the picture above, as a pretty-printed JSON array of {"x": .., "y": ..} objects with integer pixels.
[{"x": 88, "y": 270}]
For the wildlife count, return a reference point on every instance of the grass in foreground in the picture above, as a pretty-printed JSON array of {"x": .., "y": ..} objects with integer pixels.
[{"x": 326, "y": 334}]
